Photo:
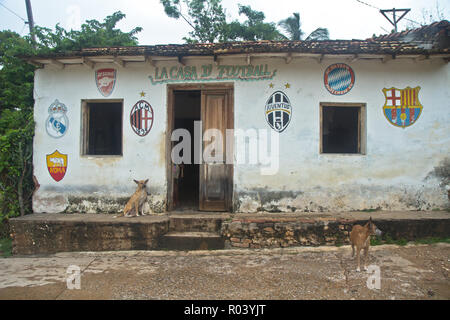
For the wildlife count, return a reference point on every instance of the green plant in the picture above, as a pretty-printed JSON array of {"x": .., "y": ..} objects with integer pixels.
[{"x": 5, "y": 247}]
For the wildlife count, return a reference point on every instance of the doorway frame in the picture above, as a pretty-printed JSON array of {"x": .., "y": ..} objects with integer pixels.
[{"x": 171, "y": 88}]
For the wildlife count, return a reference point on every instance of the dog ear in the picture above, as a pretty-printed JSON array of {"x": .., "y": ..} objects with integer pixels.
[
  {"x": 137, "y": 182},
  {"x": 145, "y": 182}
]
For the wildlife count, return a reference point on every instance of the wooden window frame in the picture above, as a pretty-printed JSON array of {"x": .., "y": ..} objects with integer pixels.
[
  {"x": 362, "y": 124},
  {"x": 84, "y": 133}
]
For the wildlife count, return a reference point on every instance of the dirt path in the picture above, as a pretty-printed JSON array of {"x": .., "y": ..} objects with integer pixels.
[{"x": 409, "y": 272}]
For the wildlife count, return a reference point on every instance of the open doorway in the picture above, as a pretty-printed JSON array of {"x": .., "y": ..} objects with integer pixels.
[{"x": 187, "y": 110}]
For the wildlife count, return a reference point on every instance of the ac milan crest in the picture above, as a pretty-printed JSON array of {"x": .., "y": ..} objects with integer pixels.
[
  {"x": 402, "y": 107},
  {"x": 105, "y": 80},
  {"x": 278, "y": 111},
  {"x": 141, "y": 118},
  {"x": 57, "y": 122},
  {"x": 339, "y": 78},
  {"x": 57, "y": 165}
]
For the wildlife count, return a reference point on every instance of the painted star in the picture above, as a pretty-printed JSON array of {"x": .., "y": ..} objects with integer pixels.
[
  {"x": 142, "y": 94},
  {"x": 287, "y": 85},
  {"x": 271, "y": 85}
]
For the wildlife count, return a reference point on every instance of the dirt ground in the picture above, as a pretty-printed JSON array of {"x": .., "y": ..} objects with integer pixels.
[{"x": 406, "y": 272}]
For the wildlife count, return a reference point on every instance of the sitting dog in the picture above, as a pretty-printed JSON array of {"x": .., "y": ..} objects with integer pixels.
[
  {"x": 136, "y": 202},
  {"x": 360, "y": 237}
]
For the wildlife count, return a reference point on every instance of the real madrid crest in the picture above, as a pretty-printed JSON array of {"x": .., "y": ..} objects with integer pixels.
[
  {"x": 278, "y": 111},
  {"x": 57, "y": 122}
]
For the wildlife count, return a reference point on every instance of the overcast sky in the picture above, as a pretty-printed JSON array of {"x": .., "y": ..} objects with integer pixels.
[{"x": 345, "y": 19}]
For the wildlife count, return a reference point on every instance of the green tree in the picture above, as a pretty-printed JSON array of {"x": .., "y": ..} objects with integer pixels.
[
  {"x": 254, "y": 28},
  {"x": 292, "y": 27},
  {"x": 16, "y": 99},
  {"x": 208, "y": 22},
  {"x": 205, "y": 17}
]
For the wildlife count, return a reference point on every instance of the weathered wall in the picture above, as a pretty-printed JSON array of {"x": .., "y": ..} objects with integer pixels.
[{"x": 402, "y": 169}]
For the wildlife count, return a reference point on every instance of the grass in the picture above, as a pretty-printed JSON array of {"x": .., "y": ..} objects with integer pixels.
[{"x": 5, "y": 247}]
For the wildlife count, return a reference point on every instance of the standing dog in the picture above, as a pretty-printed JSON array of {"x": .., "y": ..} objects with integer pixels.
[
  {"x": 360, "y": 237},
  {"x": 136, "y": 202}
]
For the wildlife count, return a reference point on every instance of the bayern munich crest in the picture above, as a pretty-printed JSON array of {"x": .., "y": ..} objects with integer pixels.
[
  {"x": 105, "y": 79},
  {"x": 278, "y": 111},
  {"x": 402, "y": 107},
  {"x": 141, "y": 118},
  {"x": 57, "y": 122},
  {"x": 339, "y": 78}
]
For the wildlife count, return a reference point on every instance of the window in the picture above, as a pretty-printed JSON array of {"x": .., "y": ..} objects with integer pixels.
[
  {"x": 342, "y": 127},
  {"x": 102, "y": 127}
]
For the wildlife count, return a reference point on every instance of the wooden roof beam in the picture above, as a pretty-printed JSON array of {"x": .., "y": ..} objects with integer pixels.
[
  {"x": 87, "y": 62},
  {"x": 118, "y": 61},
  {"x": 59, "y": 65}
]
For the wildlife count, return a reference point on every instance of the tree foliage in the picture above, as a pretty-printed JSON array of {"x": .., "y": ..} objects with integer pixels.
[
  {"x": 207, "y": 20},
  {"x": 16, "y": 99},
  {"x": 292, "y": 27},
  {"x": 254, "y": 28}
]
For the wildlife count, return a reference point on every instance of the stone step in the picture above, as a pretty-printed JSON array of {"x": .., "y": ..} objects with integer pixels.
[
  {"x": 193, "y": 240},
  {"x": 203, "y": 223}
]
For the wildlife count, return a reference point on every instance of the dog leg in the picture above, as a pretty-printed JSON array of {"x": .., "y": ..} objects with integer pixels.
[
  {"x": 366, "y": 252},
  {"x": 358, "y": 269},
  {"x": 353, "y": 250}
]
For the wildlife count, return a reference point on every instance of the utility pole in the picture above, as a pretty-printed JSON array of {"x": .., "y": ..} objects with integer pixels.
[
  {"x": 394, "y": 23},
  {"x": 30, "y": 21}
]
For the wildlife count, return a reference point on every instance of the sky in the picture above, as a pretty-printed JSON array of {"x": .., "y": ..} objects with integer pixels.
[{"x": 344, "y": 19}]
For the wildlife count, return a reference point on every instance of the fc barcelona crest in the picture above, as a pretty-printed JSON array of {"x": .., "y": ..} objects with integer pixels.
[
  {"x": 141, "y": 118},
  {"x": 57, "y": 122},
  {"x": 105, "y": 79},
  {"x": 402, "y": 107},
  {"x": 278, "y": 111},
  {"x": 57, "y": 165}
]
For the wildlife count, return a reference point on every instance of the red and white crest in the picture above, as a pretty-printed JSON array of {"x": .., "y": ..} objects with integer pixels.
[{"x": 105, "y": 79}]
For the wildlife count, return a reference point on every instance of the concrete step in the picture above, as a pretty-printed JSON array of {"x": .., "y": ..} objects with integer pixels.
[
  {"x": 193, "y": 240},
  {"x": 201, "y": 223}
]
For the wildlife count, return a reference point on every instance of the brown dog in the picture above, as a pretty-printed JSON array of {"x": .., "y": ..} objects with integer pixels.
[
  {"x": 360, "y": 237},
  {"x": 136, "y": 202}
]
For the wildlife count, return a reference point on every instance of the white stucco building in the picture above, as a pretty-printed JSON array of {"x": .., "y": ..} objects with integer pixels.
[{"x": 358, "y": 124}]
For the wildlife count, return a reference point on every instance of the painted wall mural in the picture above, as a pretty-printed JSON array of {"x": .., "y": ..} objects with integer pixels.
[
  {"x": 210, "y": 72},
  {"x": 402, "y": 107},
  {"x": 57, "y": 122},
  {"x": 339, "y": 78},
  {"x": 105, "y": 79},
  {"x": 57, "y": 165},
  {"x": 141, "y": 118},
  {"x": 278, "y": 111}
]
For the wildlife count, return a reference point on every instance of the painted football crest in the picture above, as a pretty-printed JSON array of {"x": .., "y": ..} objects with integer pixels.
[
  {"x": 57, "y": 122},
  {"x": 402, "y": 107},
  {"x": 141, "y": 118},
  {"x": 339, "y": 78},
  {"x": 57, "y": 165},
  {"x": 105, "y": 80},
  {"x": 278, "y": 111}
]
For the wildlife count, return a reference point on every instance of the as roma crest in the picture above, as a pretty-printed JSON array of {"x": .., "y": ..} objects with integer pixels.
[
  {"x": 105, "y": 80},
  {"x": 141, "y": 118},
  {"x": 278, "y": 111},
  {"x": 57, "y": 165},
  {"x": 402, "y": 107}
]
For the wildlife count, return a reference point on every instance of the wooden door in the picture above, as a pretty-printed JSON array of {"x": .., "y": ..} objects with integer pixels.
[{"x": 215, "y": 174}]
